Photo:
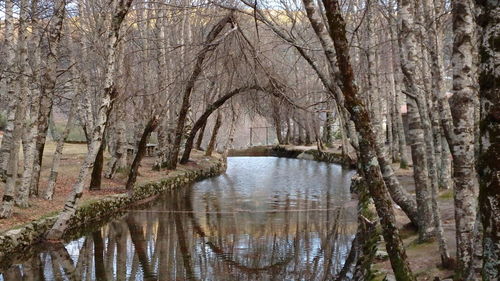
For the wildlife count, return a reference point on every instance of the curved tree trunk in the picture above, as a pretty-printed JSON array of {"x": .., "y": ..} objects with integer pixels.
[
  {"x": 48, "y": 83},
  {"x": 141, "y": 150},
  {"x": 210, "y": 45},
  {"x": 204, "y": 117}
]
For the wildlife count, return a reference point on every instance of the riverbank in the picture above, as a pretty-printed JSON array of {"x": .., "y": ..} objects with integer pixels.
[
  {"x": 330, "y": 155},
  {"x": 26, "y": 226}
]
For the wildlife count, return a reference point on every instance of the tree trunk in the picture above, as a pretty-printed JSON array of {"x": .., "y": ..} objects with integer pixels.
[
  {"x": 56, "y": 159},
  {"x": 277, "y": 120},
  {"x": 461, "y": 137},
  {"x": 201, "y": 133},
  {"x": 48, "y": 83},
  {"x": 108, "y": 95},
  {"x": 213, "y": 139},
  {"x": 12, "y": 166},
  {"x": 416, "y": 133},
  {"x": 119, "y": 159},
  {"x": 203, "y": 118},
  {"x": 9, "y": 42},
  {"x": 96, "y": 178},
  {"x": 489, "y": 154},
  {"x": 141, "y": 150},
  {"x": 445, "y": 173},
  {"x": 433, "y": 137},
  {"x": 327, "y": 129},
  {"x": 397, "y": 100},
  {"x": 288, "y": 131},
  {"x": 367, "y": 140},
  {"x": 210, "y": 45},
  {"x": 25, "y": 94}
]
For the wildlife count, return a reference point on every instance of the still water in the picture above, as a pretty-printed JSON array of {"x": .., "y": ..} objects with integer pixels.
[{"x": 266, "y": 218}]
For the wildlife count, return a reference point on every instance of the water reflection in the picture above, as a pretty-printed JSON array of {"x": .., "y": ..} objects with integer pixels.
[{"x": 265, "y": 219}]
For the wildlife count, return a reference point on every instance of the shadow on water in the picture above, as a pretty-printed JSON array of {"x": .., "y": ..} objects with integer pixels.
[{"x": 265, "y": 219}]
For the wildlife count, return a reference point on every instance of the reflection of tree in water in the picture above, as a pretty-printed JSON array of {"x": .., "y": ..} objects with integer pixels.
[{"x": 299, "y": 239}]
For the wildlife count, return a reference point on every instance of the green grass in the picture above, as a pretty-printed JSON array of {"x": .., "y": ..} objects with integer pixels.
[
  {"x": 76, "y": 133},
  {"x": 123, "y": 170},
  {"x": 448, "y": 194}
]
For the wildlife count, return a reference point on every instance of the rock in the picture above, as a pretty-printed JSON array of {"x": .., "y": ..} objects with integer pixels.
[
  {"x": 381, "y": 255},
  {"x": 390, "y": 277},
  {"x": 305, "y": 156}
]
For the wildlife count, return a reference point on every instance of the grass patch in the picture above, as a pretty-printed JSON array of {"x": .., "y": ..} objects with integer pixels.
[
  {"x": 76, "y": 133},
  {"x": 448, "y": 194},
  {"x": 123, "y": 170}
]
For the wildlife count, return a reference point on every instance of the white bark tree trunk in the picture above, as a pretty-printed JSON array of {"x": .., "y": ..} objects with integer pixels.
[
  {"x": 30, "y": 124},
  {"x": 9, "y": 45},
  {"x": 461, "y": 134},
  {"x": 56, "y": 160},
  {"x": 48, "y": 83},
  {"x": 408, "y": 60},
  {"x": 120, "y": 10}
]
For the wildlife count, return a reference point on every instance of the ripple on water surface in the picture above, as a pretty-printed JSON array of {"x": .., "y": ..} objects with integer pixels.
[{"x": 266, "y": 218}]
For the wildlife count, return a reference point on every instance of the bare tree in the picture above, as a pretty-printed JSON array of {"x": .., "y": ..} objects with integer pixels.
[{"x": 120, "y": 10}]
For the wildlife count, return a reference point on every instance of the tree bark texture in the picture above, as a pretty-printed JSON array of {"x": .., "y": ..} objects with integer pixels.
[
  {"x": 9, "y": 45},
  {"x": 461, "y": 137},
  {"x": 489, "y": 153}
]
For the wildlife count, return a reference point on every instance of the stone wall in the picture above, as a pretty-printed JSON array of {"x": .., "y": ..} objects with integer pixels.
[{"x": 94, "y": 213}]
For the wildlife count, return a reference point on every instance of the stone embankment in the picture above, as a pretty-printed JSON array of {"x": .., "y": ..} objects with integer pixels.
[
  {"x": 299, "y": 152},
  {"x": 97, "y": 212}
]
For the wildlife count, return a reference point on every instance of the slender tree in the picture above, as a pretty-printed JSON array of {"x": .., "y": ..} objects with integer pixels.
[{"x": 120, "y": 10}]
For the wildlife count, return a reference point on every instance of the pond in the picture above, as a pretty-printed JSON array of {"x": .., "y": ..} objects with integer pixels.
[{"x": 266, "y": 218}]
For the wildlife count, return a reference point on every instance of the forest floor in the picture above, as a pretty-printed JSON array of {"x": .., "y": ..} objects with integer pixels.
[
  {"x": 71, "y": 162},
  {"x": 424, "y": 258}
]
